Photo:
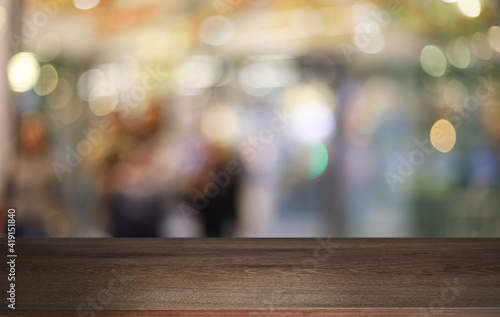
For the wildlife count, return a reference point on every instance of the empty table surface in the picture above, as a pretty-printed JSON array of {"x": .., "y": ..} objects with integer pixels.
[{"x": 255, "y": 277}]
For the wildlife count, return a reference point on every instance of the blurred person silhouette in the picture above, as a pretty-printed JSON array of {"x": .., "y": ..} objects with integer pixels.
[
  {"x": 214, "y": 190},
  {"x": 100, "y": 164},
  {"x": 133, "y": 184},
  {"x": 32, "y": 187}
]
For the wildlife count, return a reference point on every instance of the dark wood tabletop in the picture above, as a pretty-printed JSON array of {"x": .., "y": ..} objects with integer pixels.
[{"x": 255, "y": 277}]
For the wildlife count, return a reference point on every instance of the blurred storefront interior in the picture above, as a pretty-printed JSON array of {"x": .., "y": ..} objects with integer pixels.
[{"x": 260, "y": 118}]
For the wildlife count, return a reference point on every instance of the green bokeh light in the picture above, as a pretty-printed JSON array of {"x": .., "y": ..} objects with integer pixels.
[{"x": 318, "y": 160}]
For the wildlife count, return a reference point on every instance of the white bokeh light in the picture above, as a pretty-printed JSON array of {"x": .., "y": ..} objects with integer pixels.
[
  {"x": 313, "y": 121},
  {"x": 22, "y": 71},
  {"x": 86, "y": 4}
]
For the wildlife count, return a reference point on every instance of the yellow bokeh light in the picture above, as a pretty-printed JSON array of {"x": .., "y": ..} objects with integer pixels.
[
  {"x": 443, "y": 136},
  {"x": 22, "y": 71},
  {"x": 470, "y": 8},
  {"x": 47, "y": 80},
  {"x": 433, "y": 61}
]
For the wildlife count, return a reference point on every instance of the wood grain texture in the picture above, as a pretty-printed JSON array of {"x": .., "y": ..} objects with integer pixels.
[
  {"x": 279, "y": 312},
  {"x": 256, "y": 277}
]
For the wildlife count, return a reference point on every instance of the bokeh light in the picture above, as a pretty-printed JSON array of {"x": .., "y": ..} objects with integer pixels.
[
  {"x": 88, "y": 80},
  {"x": 311, "y": 109},
  {"x": 433, "y": 61},
  {"x": 443, "y": 136},
  {"x": 313, "y": 121},
  {"x": 47, "y": 80},
  {"x": 470, "y": 8},
  {"x": 22, "y": 71},
  {"x": 480, "y": 46},
  {"x": 458, "y": 53},
  {"x": 123, "y": 71},
  {"x": 318, "y": 160},
  {"x": 103, "y": 99},
  {"x": 86, "y": 4},
  {"x": 61, "y": 95},
  {"x": 494, "y": 37},
  {"x": 315, "y": 100}
]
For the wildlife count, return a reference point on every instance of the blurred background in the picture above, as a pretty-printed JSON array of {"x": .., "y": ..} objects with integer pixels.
[{"x": 250, "y": 118}]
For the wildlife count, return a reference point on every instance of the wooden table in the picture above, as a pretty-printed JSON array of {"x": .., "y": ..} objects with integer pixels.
[{"x": 255, "y": 277}]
